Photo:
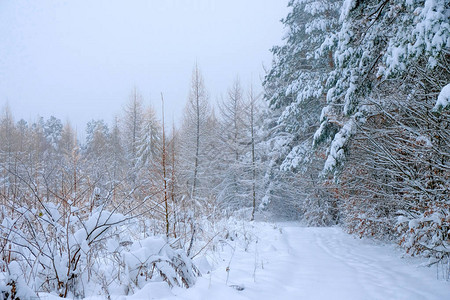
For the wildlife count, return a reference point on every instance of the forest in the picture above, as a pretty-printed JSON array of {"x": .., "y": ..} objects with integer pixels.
[{"x": 352, "y": 129}]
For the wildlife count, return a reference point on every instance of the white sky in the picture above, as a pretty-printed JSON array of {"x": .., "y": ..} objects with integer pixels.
[{"x": 80, "y": 60}]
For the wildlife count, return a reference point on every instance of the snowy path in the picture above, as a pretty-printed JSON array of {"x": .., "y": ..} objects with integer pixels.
[
  {"x": 287, "y": 261},
  {"x": 317, "y": 263}
]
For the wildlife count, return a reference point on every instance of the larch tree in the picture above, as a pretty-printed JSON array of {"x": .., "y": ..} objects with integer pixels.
[
  {"x": 194, "y": 134},
  {"x": 132, "y": 126},
  {"x": 147, "y": 145},
  {"x": 233, "y": 144},
  {"x": 194, "y": 139},
  {"x": 254, "y": 115},
  {"x": 7, "y": 151}
]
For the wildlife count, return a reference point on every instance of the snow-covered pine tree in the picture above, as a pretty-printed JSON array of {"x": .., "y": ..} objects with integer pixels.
[
  {"x": 52, "y": 130},
  {"x": 97, "y": 135},
  {"x": 295, "y": 88}
]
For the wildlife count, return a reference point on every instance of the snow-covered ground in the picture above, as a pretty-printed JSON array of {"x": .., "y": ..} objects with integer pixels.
[{"x": 288, "y": 261}]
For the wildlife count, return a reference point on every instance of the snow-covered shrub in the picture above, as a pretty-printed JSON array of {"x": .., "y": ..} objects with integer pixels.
[
  {"x": 53, "y": 251},
  {"x": 153, "y": 259},
  {"x": 12, "y": 283},
  {"x": 428, "y": 233}
]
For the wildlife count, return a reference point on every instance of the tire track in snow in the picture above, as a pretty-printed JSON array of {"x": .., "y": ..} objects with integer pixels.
[
  {"x": 395, "y": 276},
  {"x": 372, "y": 276},
  {"x": 321, "y": 275}
]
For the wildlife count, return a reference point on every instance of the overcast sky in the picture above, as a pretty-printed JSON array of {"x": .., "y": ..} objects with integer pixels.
[{"x": 80, "y": 60}]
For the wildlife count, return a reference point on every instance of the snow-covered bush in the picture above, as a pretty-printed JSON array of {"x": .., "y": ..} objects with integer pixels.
[
  {"x": 45, "y": 250},
  {"x": 12, "y": 283},
  {"x": 428, "y": 233},
  {"x": 153, "y": 259},
  {"x": 53, "y": 251}
]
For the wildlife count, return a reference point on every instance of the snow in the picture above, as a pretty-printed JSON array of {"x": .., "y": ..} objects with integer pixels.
[
  {"x": 443, "y": 100},
  {"x": 53, "y": 212},
  {"x": 15, "y": 275},
  {"x": 347, "y": 6},
  {"x": 425, "y": 140},
  {"x": 288, "y": 261},
  {"x": 294, "y": 262}
]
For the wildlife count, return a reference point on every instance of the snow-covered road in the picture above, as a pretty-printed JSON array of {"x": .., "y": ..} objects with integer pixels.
[{"x": 294, "y": 262}]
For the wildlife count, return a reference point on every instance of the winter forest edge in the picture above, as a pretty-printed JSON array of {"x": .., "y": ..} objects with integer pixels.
[{"x": 352, "y": 129}]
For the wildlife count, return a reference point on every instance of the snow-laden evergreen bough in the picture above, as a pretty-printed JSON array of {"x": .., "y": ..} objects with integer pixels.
[{"x": 379, "y": 41}]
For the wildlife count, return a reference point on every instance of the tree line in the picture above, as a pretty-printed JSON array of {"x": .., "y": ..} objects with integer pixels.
[
  {"x": 353, "y": 93},
  {"x": 168, "y": 180}
]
